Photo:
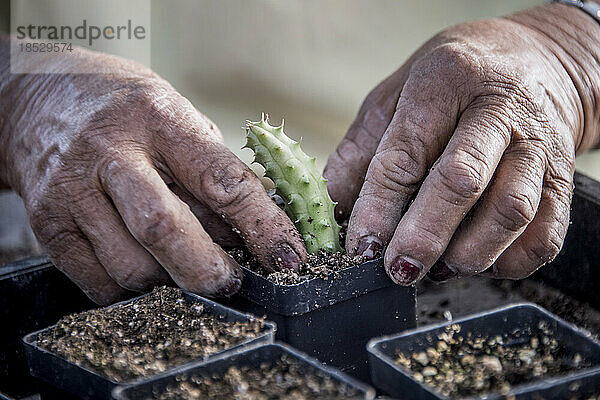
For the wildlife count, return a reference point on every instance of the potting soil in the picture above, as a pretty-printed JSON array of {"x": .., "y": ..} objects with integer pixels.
[
  {"x": 144, "y": 337},
  {"x": 462, "y": 365},
  {"x": 286, "y": 379},
  {"x": 322, "y": 265}
]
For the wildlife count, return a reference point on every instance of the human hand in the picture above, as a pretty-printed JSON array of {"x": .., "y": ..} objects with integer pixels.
[
  {"x": 109, "y": 166},
  {"x": 462, "y": 161}
]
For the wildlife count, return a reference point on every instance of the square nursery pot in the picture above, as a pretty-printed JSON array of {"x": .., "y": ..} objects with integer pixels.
[
  {"x": 519, "y": 322},
  {"x": 88, "y": 384},
  {"x": 332, "y": 320},
  {"x": 254, "y": 357}
]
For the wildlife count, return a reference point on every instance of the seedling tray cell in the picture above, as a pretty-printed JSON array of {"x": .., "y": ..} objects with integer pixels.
[
  {"x": 254, "y": 357},
  {"x": 584, "y": 386},
  {"x": 519, "y": 321},
  {"x": 332, "y": 320},
  {"x": 88, "y": 384}
]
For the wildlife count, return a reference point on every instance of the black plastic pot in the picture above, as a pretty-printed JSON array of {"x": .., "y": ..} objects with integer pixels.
[
  {"x": 33, "y": 294},
  {"x": 332, "y": 320},
  {"x": 88, "y": 384},
  {"x": 520, "y": 322},
  {"x": 576, "y": 270},
  {"x": 253, "y": 357},
  {"x": 584, "y": 386}
]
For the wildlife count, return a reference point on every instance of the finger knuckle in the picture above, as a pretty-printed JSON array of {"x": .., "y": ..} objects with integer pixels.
[
  {"x": 157, "y": 228},
  {"x": 108, "y": 169},
  {"x": 229, "y": 188},
  {"x": 112, "y": 171},
  {"x": 514, "y": 211},
  {"x": 397, "y": 169},
  {"x": 448, "y": 60},
  {"x": 168, "y": 114},
  {"x": 348, "y": 154},
  {"x": 133, "y": 106},
  {"x": 360, "y": 143},
  {"x": 561, "y": 184},
  {"x": 127, "y": 95},
  {"x": 513, "y": 89},
  {"x": 545, "y": 247},
  {"x": 462, "y": 180},
  {"x": 141, "y": 93},
  {"x": 494, "y": 120}
]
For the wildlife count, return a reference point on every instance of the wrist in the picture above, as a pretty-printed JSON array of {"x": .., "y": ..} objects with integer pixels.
[{"x": 570, "y": 36}]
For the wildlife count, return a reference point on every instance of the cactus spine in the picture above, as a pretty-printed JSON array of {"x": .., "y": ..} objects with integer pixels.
[{"x": 298, "y": 182}]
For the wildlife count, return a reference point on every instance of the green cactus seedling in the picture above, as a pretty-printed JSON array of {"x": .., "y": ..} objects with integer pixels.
[{"x": 298, "y": 182}]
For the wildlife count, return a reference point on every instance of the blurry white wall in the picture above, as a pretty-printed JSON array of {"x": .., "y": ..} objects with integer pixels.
[
  {"x": 311, "y": 61},
  {"x": 87, "y": 21}
]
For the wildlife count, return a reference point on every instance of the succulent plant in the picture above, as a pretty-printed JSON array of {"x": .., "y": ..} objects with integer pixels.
[{"x": 298, "y": 182}]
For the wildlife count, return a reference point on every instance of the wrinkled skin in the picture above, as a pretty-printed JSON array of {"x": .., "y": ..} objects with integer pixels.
[
  {"x": 462, "y": 160},
  {"x": 128, "y": 186}
]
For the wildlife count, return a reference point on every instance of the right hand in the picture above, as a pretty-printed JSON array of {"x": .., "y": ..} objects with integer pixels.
[
  {"x": 462, "y": 161},
  {"x": 109, "y": 166}
]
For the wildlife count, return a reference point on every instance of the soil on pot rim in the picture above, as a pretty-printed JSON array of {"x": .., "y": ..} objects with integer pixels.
[
  {"x": 322, "y": 265},
  {"x": 464, "y": 365},
  {"x": 284, "y": 379},
  {"x": 144, "y": 337}
]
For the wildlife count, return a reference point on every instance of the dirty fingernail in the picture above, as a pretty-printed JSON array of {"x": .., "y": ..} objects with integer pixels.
[
  {"x": 405, "y": 270},
  {"x": 237, "y": 272},
  {"x": 230, "y": 288},
  {"x": 441, "y": 272},
  {"x": 286, "y": 258},
  {"x": 369, "y": 247},
  {"x": 234, "y": 283}
]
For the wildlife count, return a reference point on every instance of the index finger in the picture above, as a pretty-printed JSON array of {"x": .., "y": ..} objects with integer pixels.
[
  {"x": 448, "y": 193},
  {"x": 166, "y": 227},
  {"x": 214, "y": 175},
  {"x": 419, "y": 130}
]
